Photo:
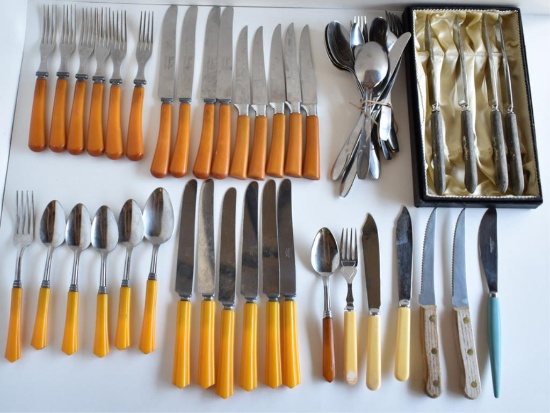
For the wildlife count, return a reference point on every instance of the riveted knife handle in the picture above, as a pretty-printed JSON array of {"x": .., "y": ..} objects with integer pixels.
[
  {"x": 374, "y": 366},
  {"x": 122, "y": 332},
  {"x": 95, "y": 144},
  {"x": 438, "y": 152},
  {"x": 181, "y": 374},
  {"x": 312, "y": 162},
  {"x": 350, "y": 347},
  {"x": 224, "y": 381},
  {"x": 40, "y": 332},
  {"x": 206, "y": 376},
  {"x": 468, "y": 355},
  {"x": 37, "y": 131},
  {"x": 430, "y": 348},
  {"x": 134, "y": 141},
  {"x": 517, "y": 183},
  {"x": 239, "y": 163},
  {"x": 114, "y": 148},
  {"x": 220, "y": 162},
  {"x": 249, "y": 356},
  {"x": 58, "y": 126},
  {"x": 180, "y": 155},
  {"x": 147, "y": 340},
  {"x": 101, "y": 339},
  {"x": 256, "y": 168},
  {"x": 276, "y": 159},
  {"x": 293, "y": 164},
  {"x": 75, "y": 137},
  {"x": 402, "y": 345},
  {"x": 159, "y": 166},
  {"x": 290, "y": 355},
  {"x": 273, "y": 372},
  {"x": 499, "y": 151},
  {"x": 13, "y": 344},
  {"x": 469, "y": 151},
  {"x": 493, "y": 325},
  {"x": 70, "y": 334},
  {"x": 328, "y": 350},
  {"x": 203, "y": 162}
]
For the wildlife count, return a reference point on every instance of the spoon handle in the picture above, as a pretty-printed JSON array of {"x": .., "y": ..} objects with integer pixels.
[
  {"x": 328, "y": 349},
  {"x": 70, "y": 334},
  {"x": 40, "y": 331},
  {"x": 147, "y": 340},
  {"x": 122, "y": 335},
  {"x": 101, "y": 340}
]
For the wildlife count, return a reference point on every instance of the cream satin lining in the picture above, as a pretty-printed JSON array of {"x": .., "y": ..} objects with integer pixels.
[{"x": 476, "y": 64}]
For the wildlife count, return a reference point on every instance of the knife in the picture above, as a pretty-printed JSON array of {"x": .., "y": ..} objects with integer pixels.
[
  {"x": 277, "y": 96},
  {"x": 203, "y": 161},
  {"x": 404, "y": 244},
  {"x": 312, "y": 167},
  {"x": 186, "y": 68},
  {"x": 181, "y": 376},
  {"x": 241, "y": 101},
  {"x": 517, "y": 183},
  {"x": 256, "y": 168},
  {"x": 249, "y": 289},
  {"x": 287, "y": 271},
  {"x": 271, "y": 285},
  {"x": 488, "y": 253},
  {"x": 499, "y": 150},
  {"x": 467, "y": 121},
  {"x": 463, "y": 321},
  {"x": 226, "y": 296},
  {"x": 371, "y": 261},
  {"x": 220, "y": 161},
  {"x": 206, "y": 282},
  {"x": 159, "y": 166},
  {"x": 428, "y": 313}
]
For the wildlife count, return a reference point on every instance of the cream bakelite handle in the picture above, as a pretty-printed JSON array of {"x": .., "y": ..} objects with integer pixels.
[
  {"x": 58, "y": 127},
  {"x": 206, "y": 376},
  {"x": 114, "y": 148},
  {"x": 224, "y": 380},
  {"x": 95, "y": 145},
  {"x": 203, "y": 162},
  {"x": 75, "y": 137},
  {"x": 350, "y": 347},
  {"x": 37, "y": 131},
  {"x": 312, "y": 162},
  {"x": 101, "y": 340},
  {"x": 249, "y": 355},
  {"x": 468, "y": 355},
  {"x": 430, "y": 348},
  {"x": 239, "y": 163},
  {"x": 256, "y": 167},
  {"x": 134, "y": 142},
  {"x": 40, "y": 332},
  {"x": 290, "y": 355},
  {"x": 276, "y": 159},
  {"x": 293, "y": 164},
  {"x": 159, "y": 166},
  {"x": 147, "y": 341},
  {"x": 220, "y": 162},
  {"x": 180, "y": 155},
  {"x": 374, "y": 366},
  {"x": 402, "y": 345},
  {"x": 273, "y": 367},
  {"x": 122, "y": 333},
  {"x": 13, "y": 343},
  {"x": 181, "y": 374},
  {"x": 70, "y": 334}
]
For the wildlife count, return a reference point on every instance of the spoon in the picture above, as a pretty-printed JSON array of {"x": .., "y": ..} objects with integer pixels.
[
  {"x": 52, "y": 235},
  {"x": 77, "y": 237},
  {"x": 130, "y": 234},
  {"x": 325, "y": 259},
  {"x": 158, "y": 217},
  {"x": 104, "y": 240}
]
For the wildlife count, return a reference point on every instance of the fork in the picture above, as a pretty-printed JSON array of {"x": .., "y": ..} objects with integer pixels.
[
  {"x": 348, "y": 268},
  {"x": 37, "y": 130},
  {"x": 134, "y": 143},
  {"x": 23, "y": 237},
  {"x": 113, "y": 140}
]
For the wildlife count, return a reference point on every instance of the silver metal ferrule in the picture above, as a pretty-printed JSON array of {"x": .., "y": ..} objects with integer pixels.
[
  {"x": 115, "y": 81},
  {"x": 62, "y": 75},
  {"x": 278, "y": 107},
  {"x": 45, "y": 284},
  {"x": 102, "y": 290},
  {"x": 243, "y": 109},
  {"x": 405, "y": 303},
  {"x": 310, "y": 109},
  {"x": 294, "y": 107},
  {"x": 327, "y": 313},
  {"x": 493, "y": 294},
  {"x": 73, "y": 287},
  {"x": 41, "y": 75},
  {"x": 374, "y": 311},
  {"x": 98, "y": 79},
  {"x": 224, "y": 101},
  {"x": 259, "y": 110}
]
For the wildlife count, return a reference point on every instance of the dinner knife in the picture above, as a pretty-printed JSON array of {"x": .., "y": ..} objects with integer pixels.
[
  {"x": 185, "y": 266},
  {"x": 203, "y": 161},
  {"x": 404, "y": 244},
  {"x": 241, "y": 101},
  {"x": 287, "y": 271},
  {"x": 206, "y": 284},
  {"x": 371, "y": 261},
  {"x": 462, "y": 318},
  {"x": 428, "y": 313},
  {"x": 312, "y": 163},
  {"x": 488, "y": 253},
  {"x": 249, "y": 289},
  {"x": 159, "y": 166},
  {"x": 186, "y": 69},
  {"x": 226, "y": 296}
]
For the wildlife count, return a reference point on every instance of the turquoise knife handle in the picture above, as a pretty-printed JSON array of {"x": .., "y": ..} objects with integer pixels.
[{"x": 493, "y": 324}]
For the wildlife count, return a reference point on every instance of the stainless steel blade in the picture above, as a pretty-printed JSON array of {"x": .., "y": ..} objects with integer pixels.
[
  {"x": 186, "y": 62},
  {"x": 460, "y": 292},
  {"x": 307, "y": 72},
  {"x": 210, "y": 56},
  {"x": 292, "y": 71},
  {"x": 225, "y": 56},
  {"x": 488, "y": 248},
  {"x": 427, "y": 288},
  {"x": 270, "y": 246},
  {"x": 227, "y": 276},
  {"x": 462, "y": 83},
  {"x": 287, "y": 259},
  {"x": 168, "y": 55},
  {"x": 404, "y": 244},
  {"x": 492, "y": 84},
  {"x": 371, "y": 261},
  {"x": 435, "y": 62},
  {"x": 206, "y": 271},
  {"x": 277, "y": 91},
  {"x": 249, "y": 244},
  {"x": 186, "y": 244},
  {"x": 241, "y": 82},
  {"x": 509, "y": 97},
  {"x": 259, "y": 83}
]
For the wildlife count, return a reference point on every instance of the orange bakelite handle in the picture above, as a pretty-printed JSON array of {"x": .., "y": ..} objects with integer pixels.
[
  {"x": 37, "y": 131},
  {"x": 134, "y": 141},
  {"x": 275, "y": 162},
  {"x": 249, "y": 354},
  {"x": 122, "y": 332},
  {"x": 203, "y": 162},
  {"x": 159, "y": 166},
  {"x": 95, "y": 145},
  {"x": 273, "y": 367},
  {"x": 224, "y": 380},
  {"x": 220, "y": 162},
  {"x": 239, "y": 163},
  {"x": 207, "y": 372},
  {"x": 114, "y": 148},
  {"x": 13, "y": 343},
  {"x": 101, "y": 339},
  {"x": 181, "y": 374},
  {"x": 293, "y": 164},
  {"x": 70, "y": 335},
  {"x": 75, "y": 137},
  {"x": 328, "y": 350},
  {"x": 256, "y": 167},
  {"x": 291, "y": 360},
  {"x": 180, "y": 156},
  {"x": 40, "y": 332},
  {"x": 312, "y": 162},
  {"x": 58, "y": 126},
  {"x": 147, "y": 341}
]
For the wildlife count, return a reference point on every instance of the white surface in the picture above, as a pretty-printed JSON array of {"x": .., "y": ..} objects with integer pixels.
[{"x": 129, "y": 380}]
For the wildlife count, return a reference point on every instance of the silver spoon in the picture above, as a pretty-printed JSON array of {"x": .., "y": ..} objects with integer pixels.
[{"x": 325, "y": 259}]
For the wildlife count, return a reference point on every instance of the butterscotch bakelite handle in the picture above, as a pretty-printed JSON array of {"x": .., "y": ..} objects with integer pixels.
[
  {"x": 256, "y": 167},
  {"x": 70, "y": 335},
  {"x": 291, "y": 358},
  {"x": 239, "y": 163},
  {"x": 312, "y": 158},
  {"x": 58, "y": 126},
  {"x": 159, "y": 166},
  {"x": 206, "y": 376},
  {"x": 101, "y": 339},
  {"x": 75, "y": 136},
  {"x": 122, "y": 332},
  {"x": 328, "y": 350},
  {"x": 134, "y": 141},
  {"x": 13, "y": 343},
  {"x": 276, "y": 159},
  {"x": 180, "y": 155},
  {"x": 203, "y": 162},
  {"x": 248, "y": 379},
  {"x": 220, "y": 161},
  {"x": 374, "y": 366},
  {"x": 95, "y": 145},
  {"x": 114, "y": 148},
  {"x": 37, "y": 130},
  {"x": 293, "y": 163},
  {"x": 402, "y": 345},
  {"x": 224, "y": 380},
  {"x": 181, "y": 374},
  {"x": 350, "y": 347},
  {"x": 147, "y": 340},
  {"x": 273, "y": 365},
  {"x": 40, "y": 332}
]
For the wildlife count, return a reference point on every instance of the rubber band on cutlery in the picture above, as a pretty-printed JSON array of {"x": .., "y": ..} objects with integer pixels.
[
  {"x": 180, "y": 155},
  {"x": 220, "y": 161},
  {"x": 58, "y": 132},
  {"x": 159, "y": 166}
]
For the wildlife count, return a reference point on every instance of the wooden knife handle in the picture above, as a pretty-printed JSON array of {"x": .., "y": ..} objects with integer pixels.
[
  {"x": 70, "y": 334},
  {"x": 469, "y": 150},
  {"x": 256, "y": 167},
  {"x": 328, "y": 350},
  {"x": 159, "y": 166},
  {"x": 374, "y": 366},
  {"x": 13, "y": 343},
  {"x": 58, "y": 126},
  {"x": 293, "y": 164},
  {"x": 220, "y": 162},
  {"x": 75, "y": 137},
  {"x": 430, "y": 348},
  {"x": 180, "y": 155},
  {"x": 468, "y": 355},
  {"x": 37, "y": 130},
  {"x": 276, "y": 159},
  {"x": 438, "y": 151},
  {"x": 224, "y": 380},
  {"x": 290, "y": 355},
  {"x": 147, "y": 341},
  {"x": 40, "y": 332},
  {"x": 114, "y": 148},
  {"x": 517, "y": 183},
  {"x": 499, "y": 151},
  {"x": 203, "y": 162},
  {"x": 273, "y": 372},
  {"x": 206, "y": 376},
  {"x": 248, "y": 379},
  {"x": 402, "y": 345},
  {"x": 312, "y": 160},
  {"x": 493, "y": 325},
  {"x": 101, "y": 339},
  {"x": 239, "y": 163},
  {"x": 122, "y": 333},
  {"x": 181, "y": 374},
  {"x": 95, "y": 145},
  {"x": 134, "y": 141},
  {"x": 350, "y": 347}
]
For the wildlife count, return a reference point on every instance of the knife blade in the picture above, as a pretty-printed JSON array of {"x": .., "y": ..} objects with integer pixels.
[
  {"x": 159, "y": 166},
  {"x": 186, "y": 69},
  {"x": 488, "y": 254},
  {"x": 206, "y": 282},
  {"x": 463, "y": 321},
  {"x": 428, "y": 313},
  {"x": 226, "y": 296},
  {"x": 371, "y": 262},
  {"x": 203, "y": 161},
  {"x": 404, "y": 246}
]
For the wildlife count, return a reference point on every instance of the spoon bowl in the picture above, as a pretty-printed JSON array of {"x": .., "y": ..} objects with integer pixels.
[
  {"x": 130, "y": 225},
  {"x": 52, "y": 225},
  {"x": 104, "y": 231},
  {"x": 78, "y": 229}
]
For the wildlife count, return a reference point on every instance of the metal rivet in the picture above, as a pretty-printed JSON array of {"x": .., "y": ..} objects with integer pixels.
[
  {"x": 474, "y": 384},
  {"x": 432, "y": 318},
  {"x": 436, "y": 383},
  {"x": 434, "y": 350},
  {"x": 470, "y": 351},
  {"x": 466, "y": 320}
]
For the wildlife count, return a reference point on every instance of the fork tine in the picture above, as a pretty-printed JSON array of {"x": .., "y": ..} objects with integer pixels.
[
  {"x": 343, "y": 245},
  {"x": 354, "y": 244}
]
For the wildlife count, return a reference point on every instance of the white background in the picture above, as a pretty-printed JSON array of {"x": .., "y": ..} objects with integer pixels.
[{"x": 129, "y": 380}]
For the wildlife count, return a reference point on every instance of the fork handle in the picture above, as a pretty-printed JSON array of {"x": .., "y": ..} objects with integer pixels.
[
  {"x": 180, "y": 156},
  {"x": 37, "y": 131},
  {"x": 114, "y": 148},
  {"x": 134, "y": 143},
  {"x": 58, "y": 133},
  {"x": 159, "y": 166},
  {"x": 95, "y": 144},
  {"x": 13, "y": 344},
  {"x": 75, "y": 137},
  {"x": 40, "y": 331},
  {"x": 350, "y": 347},
  {"x": 220, "y": 162}
]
